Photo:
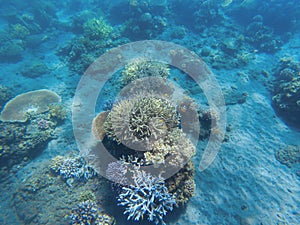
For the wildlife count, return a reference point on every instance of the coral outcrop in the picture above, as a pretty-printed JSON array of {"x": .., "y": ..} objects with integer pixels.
[{"x": 286, "y": 93}]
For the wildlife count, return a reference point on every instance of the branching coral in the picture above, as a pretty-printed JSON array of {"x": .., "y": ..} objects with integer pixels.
[
  {"x": 147, "y": 197},
  {"x": 88, "y": 212},
  {"x": 138, "y": 121},
  {"x": 97, "y": 29},
  {"x": 176, "y": 148},
  {"x": 70, "y": 168}
]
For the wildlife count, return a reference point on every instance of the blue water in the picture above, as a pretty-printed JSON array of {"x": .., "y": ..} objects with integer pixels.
[{"x": 251, "y": 50}]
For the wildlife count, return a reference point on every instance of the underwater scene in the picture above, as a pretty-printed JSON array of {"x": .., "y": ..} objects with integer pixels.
[{"x": 170, "y": 112}]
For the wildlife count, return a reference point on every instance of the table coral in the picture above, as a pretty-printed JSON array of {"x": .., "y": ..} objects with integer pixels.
[{"x": 18, "y": 108}]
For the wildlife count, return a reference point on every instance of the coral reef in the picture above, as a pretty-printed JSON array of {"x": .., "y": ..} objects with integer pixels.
[
  {"x": 261, "y": 36},
  {"x": 20, "y": 142},
  {"x": 88, "y": 212},
  {"x": 286, "y": 91},
  {"x": 143, "y": 19},
  {"x": 148, "y": 197},
  {"x": 290, "y": 156},
  {"x": 116, "y": 172},
  {"x": 42, "y": 198},
  {"x": 140, "y": 68},
  {"x": 11, "y": 51},
  {"x": 176, "y": 148},
  {"x": 33, "y": 102},
  {"x": 57, "y": 112}
]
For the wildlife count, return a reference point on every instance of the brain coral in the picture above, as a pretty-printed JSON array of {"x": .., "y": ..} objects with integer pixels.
[{"x": 18, "y": 108}]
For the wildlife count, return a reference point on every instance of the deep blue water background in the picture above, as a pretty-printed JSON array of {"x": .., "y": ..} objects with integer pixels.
[{"x": 243, "y": 42}]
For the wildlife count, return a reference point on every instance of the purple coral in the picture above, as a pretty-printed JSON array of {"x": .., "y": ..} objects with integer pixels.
[
  {"x": 147, "y": 197},
  {"x": 43, "y": 124},
  {"x": 116, "y": 172}
]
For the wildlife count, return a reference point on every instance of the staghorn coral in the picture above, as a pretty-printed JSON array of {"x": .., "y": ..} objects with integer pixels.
[
  {"x": 140, "y": 68},
  {"x": 18, "y": 108},
  {"x": 147, "y": 197},
  {"x": 138, "y": 121}
]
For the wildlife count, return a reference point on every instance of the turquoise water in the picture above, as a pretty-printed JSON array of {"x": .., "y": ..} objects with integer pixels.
[{"x": 150, "y": 112}]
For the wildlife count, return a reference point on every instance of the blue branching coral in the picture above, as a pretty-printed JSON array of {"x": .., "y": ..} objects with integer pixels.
[
  {"x": 147, "y": 197},
  {"x": 72, "y": 168}
]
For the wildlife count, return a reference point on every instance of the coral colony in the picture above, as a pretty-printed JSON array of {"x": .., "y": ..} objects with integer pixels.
[
  {"x": 72, "y": 168},
  {"x": 148, "y": 197},
  {"x": 152, "y": 122},
  {"x": 88, "y": 212}
]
